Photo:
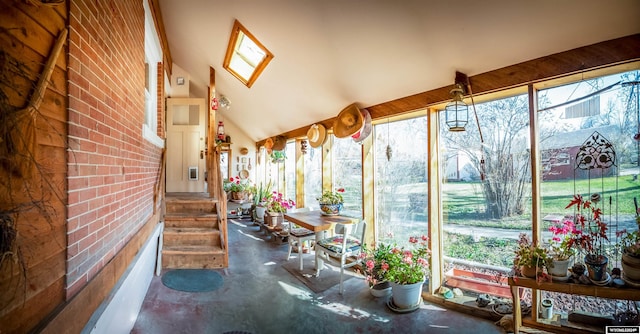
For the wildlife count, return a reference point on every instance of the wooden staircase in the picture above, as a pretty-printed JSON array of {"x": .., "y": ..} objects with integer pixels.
[{"x": 194, "y": 234}]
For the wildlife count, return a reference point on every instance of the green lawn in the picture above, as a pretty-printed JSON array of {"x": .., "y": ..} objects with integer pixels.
[{"x": 556, "y": 194}]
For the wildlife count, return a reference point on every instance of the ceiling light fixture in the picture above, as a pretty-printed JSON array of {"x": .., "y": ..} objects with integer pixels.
[
  {"x": 456, "y": 111},
  {"x": 224, "y": 102}
]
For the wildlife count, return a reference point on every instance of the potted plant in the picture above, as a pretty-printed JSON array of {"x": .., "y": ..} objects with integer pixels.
[
  {"x": 561, "y": 248},
  {"x": 405, "y": 268},
  {"x": 589, "y": 235},
  {"x": 260, "y": 196},
  {"x": 331, "y": 202},
  {"x": 530, "y": 259},
  {"x": 277, "y": 205},
  {"x": 238, "y": 189},
  {"x": 376, "y": 263},
  {"x": 629, "y": 243}
]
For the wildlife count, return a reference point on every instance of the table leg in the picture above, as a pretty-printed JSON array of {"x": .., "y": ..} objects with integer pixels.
[
  {"x": 319, "y": 262},
  {"x": 517, "y": 312}
]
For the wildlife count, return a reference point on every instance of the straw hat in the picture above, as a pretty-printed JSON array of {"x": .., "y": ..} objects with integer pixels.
[
  {"x": 348, "y": 122},
  {"x": 268, "y": 143},
  {"x": 317, "y": 135},
  {"x": 280, "y": 143},
  {"x": 366, "y": 128}
]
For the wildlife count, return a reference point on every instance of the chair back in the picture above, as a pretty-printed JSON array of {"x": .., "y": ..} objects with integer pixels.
[{"x": 355, "y": 231}]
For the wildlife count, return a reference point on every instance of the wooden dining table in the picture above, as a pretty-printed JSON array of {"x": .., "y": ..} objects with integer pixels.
[{"x": 318, "y": 223}]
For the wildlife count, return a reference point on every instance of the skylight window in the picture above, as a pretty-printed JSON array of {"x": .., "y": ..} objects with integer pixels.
[{"x": 246, "y": 57}]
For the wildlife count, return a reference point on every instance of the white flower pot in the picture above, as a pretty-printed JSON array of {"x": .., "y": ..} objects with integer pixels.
[
  {"x": 406, "y": 296},
  {"x": 560, "y": 268}
]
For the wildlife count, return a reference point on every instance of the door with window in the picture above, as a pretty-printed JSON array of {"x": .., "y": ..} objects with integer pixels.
[{"x": 186, "y": 132}]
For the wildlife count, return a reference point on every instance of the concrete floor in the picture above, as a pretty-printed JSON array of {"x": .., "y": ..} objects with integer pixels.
[{"x": 260, "y": 296}]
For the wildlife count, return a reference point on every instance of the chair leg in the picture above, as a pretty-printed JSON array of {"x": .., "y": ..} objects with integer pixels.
[
  {"x": 341, "y": 275},
  {"x": 317, "y": 262},
  {"x": 290, "y": 247},
  {"x": 300, "y": 252}
]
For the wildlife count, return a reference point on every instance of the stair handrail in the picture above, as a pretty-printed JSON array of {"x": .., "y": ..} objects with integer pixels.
[{"x": 222, "y": 204}]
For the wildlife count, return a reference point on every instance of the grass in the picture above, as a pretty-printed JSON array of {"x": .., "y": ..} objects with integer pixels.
[{"x": 466, "y": 197}]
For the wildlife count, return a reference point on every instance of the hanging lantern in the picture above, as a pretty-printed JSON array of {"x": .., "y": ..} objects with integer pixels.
[
  {"x": 456, "y": 111},
  {"x": 221, "y": 135}
]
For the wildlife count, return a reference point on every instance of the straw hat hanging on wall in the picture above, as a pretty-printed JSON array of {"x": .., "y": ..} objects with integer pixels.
[
  {"x": 317, "y": 135},
  {"x": 268, "y": 145},
  {"x": 348, "y": 122},
  {"x": 279, "y": 143},
  {"x": 366, "y": 128}
]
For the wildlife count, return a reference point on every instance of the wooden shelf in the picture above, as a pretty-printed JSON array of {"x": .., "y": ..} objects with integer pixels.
[{"x": 624, "y": 293}]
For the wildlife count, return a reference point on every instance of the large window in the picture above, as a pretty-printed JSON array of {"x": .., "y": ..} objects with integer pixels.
[
  {"x": 486, "y": 190},
  {"x": 290, "y": 171},
  {"x": 347, "y": 174},
  {"x": 401, "y": 179},
  {"x": 152, "y": 62},
  {"x": 312, "y": 177},
  {"x": 587, "y": 147}
]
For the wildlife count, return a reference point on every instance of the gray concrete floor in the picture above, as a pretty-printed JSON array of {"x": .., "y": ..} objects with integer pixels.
[{"x": 260, "y": 296}]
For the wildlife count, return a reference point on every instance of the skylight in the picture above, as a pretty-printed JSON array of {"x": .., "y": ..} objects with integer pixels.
[{"x": 246, "y": 57}]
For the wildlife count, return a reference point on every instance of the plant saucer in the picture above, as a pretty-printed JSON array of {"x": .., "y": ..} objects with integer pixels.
[
  {"x": 396, "y": 309},
  {"x": 561, "y": 278},
  {"x": 603, "y": 282}
]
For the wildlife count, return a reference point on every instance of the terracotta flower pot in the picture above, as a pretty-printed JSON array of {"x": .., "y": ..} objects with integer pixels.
[
  {"x": 528, "y": 271},
  {"x": 631, "y": 267}
]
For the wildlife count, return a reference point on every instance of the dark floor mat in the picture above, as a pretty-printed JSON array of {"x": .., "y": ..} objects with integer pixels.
[{"x": 192, "y": 280}]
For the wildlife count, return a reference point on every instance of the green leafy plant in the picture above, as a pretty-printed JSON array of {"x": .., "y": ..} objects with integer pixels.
[
  {"x": 236, "y": 184},
  {"x": 331, "y": 197},
  {"x": 262, "y": 193},
  {"x": 277, "y": 203},
  {"x": 529, "y": 254},
  {"x": 629, "y": 242},
  {"x": 401, "y": 265},
  {"x": 376, "y": 262}
]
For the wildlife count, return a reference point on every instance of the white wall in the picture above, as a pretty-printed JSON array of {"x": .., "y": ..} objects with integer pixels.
[{"x": 119, "y": 311}]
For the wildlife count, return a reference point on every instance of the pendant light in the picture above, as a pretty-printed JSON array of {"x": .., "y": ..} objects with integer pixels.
[{"x": 456, "y": 111}]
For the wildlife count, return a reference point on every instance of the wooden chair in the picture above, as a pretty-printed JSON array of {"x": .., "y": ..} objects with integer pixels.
[
  {"x": 345, "y": 244},
  {"x": 298, "y": 236}
]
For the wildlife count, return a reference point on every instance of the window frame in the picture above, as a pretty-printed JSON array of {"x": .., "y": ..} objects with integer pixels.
[{"x": 231, "y": 53}]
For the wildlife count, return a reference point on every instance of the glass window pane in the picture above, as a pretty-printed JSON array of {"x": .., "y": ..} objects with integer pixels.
[
  {"x": 401, "y": 180},
  {"x": 290, "y": 171},
  {"x": 312, "y": 177},
  {"x": 587, "y": 147},
  {"x": 486, "y": 190},
  {"x": 347, "y": 174}
]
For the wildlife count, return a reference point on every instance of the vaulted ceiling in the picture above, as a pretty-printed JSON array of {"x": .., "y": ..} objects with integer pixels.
[{"x": 331, "y": 53}]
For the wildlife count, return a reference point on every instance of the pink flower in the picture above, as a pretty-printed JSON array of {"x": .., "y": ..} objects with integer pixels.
[
  {"x": 370, "y": 264},
  {"x": 384, "y": 266}
]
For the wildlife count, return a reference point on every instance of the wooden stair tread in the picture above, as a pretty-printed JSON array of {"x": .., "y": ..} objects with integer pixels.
[
  {"x": 190, "y": 215},
  {"x": 192, "y": 250},
  {"x": 191, "y": 230}
]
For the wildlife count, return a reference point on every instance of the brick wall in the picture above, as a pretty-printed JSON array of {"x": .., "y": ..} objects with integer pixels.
[{"x": 112, "y": 169}]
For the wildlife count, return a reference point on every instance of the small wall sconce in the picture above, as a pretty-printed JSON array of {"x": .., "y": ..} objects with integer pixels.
[{"x": 180, "y": 81}]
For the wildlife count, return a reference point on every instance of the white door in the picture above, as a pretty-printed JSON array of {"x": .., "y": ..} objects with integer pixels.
[{"x": 186, "y": 130}]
